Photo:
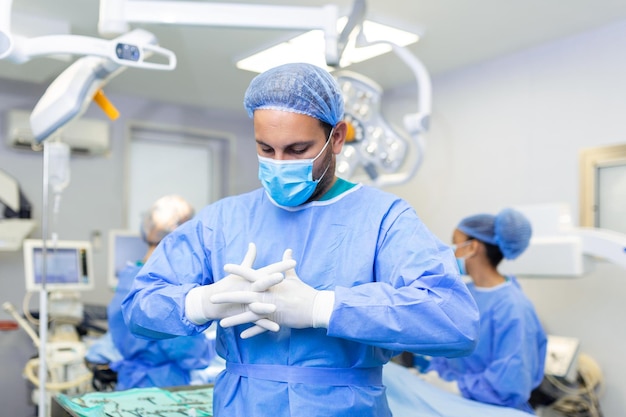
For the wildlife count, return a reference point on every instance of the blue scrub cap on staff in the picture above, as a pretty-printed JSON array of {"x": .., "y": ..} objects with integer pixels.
[
  {"x": 510, "y": 231},
  {"x": 297, "y": 88}
]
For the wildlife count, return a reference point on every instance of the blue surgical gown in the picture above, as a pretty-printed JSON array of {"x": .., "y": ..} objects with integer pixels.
[
  {"x": 396, "y": 288},
  {"x": 509, "y": 359},
  {"x": 151, "y": 363}
]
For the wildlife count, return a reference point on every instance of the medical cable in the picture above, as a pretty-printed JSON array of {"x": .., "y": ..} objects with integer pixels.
[
  {"x": 582, "y": 401},
  {"x": 32, "y": 364},
  {"x": 10, "y": 308},
  {"x": 29, "y": 372},
  {"x": 26, "y": 310}
]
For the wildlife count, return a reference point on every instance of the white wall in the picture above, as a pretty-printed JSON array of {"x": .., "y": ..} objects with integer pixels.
[{"x": 508, "y": 132}]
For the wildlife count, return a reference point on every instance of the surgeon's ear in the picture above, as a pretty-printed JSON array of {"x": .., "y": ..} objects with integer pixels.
[
  {"x": 339, "y": 136},
  {"x": 474, "y": 246}
]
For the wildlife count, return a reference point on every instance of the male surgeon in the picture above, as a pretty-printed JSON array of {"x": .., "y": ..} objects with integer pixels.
[{"x": 316, "y": 281}]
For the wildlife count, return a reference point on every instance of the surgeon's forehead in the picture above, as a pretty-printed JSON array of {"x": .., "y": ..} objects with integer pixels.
[
  {"x": 270, "y": 124},
  {"x": 458, "y": 236}
]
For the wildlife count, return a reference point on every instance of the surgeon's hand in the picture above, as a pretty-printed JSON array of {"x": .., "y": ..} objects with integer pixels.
[
  {"x": 199, "y": 308},
  {"x": 298, "y": 305}
]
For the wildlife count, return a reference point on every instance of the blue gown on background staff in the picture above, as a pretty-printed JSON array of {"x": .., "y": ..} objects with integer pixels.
[
  {"x": 501, "y": 371},
  {"x": 151, "y": 363},
  {"x": 154, "y": 363},
  {"x": 508, "y": 362}
]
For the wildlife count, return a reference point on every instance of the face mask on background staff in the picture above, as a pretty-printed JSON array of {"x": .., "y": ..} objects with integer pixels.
[{"x": 460, "y": 261}]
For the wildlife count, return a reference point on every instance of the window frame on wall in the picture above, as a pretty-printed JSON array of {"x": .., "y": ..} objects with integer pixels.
[
  {"x": 221, "y": 145},
  {"x": 592, "y": 160}
]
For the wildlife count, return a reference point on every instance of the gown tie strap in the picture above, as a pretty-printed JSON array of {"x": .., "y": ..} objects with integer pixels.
[{"x": 309, "y": 375}]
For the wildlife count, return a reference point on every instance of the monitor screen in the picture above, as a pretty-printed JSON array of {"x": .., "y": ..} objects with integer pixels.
[
  {"x": 125, "y": 247},
  {"x": 68, "y": 265}
]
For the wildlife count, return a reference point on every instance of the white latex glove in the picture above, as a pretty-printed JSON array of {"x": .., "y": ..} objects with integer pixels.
[
  {"x": 199, "y": 308},
  {"x": 298, "y": 305}
]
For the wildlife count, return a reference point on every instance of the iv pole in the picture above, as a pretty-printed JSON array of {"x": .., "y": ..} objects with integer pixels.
[
  {"x": 20, "y": 50},
  {"x": 43, "y": 293}
]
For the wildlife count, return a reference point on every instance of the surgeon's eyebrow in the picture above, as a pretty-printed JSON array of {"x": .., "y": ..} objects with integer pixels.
[{"x": 295, "y": 147}]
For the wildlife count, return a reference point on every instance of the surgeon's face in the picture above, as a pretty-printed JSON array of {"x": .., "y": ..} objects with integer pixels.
[
  {"x": 464, "y": 246},
  {"x": 285, "y": 135}
]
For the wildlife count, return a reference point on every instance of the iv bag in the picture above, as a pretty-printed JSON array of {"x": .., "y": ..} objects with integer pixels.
[{"x": 58, "y": 165}]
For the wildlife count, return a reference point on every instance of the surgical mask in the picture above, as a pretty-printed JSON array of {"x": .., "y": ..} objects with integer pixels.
[
  {"x": 461, "y": 261},
  {"x": 290, "y": 182},
  {"x": 461, "y": 264}
]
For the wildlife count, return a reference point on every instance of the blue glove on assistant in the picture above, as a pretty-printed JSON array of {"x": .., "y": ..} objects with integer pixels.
[
  {"x": 199, "y": 308},
  {"x": 298, "y": 305}
]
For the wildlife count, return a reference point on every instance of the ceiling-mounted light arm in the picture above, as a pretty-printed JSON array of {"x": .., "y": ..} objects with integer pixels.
[
  {"x": 416, "y": 123},
  {"x": 127, "y": 54},
  {"x": 115, "y": 16},
  {"x": 20, "y": 49},
  {"x": 69, "y": 95},
  {"x": 354, "y": 23}
]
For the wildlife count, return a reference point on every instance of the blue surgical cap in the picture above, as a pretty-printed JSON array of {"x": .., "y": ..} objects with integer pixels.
[
  {"x": 297, "y": 88},
  {"x": 510, "y": 231}
]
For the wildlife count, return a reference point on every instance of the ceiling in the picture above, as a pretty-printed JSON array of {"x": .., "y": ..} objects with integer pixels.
[{"x": 455, "y": 34}]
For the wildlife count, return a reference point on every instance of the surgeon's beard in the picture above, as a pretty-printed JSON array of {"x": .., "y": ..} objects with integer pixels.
[{"x": 329, "y": 177}]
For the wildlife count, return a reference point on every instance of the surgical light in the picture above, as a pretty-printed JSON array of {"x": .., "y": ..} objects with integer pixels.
[
  {"x": 70, "y": 94},
  {"x": 371, "y": 143},
  {"x": 376, "y": 152},
  {"x": 309, "y": 47}
]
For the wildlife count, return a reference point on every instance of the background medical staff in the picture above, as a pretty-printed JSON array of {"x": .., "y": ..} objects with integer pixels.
[
  {"x": 508, "y": 362},
  {"x": 341, "y": 276},
  {"x": 154, "y": 363}
]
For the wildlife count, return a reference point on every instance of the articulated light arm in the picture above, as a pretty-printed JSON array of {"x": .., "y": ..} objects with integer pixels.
[
  {"x": 416, "y": 124},
  {"x": 602, "y": 243},
  {"x": 354, "y": 24},
  {"x": 558, "y": 248},
  {"x": 69, "y": 95},
  {"x": 6, "y": 41},
  {"x": 119, "y": 52},
  {"x": 19, "y": 49},
  {"x": 569, "y": 253},
  {"x": 115, "y": 16}
]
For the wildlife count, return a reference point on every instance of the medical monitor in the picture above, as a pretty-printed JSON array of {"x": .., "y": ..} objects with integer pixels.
[
  {"x": 125, "y": 247},
  {"x": 69, "y": 265}
]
